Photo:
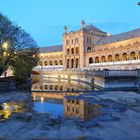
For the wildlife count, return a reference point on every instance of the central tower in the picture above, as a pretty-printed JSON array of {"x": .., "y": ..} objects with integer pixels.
[{"x": 77, "y": 43}]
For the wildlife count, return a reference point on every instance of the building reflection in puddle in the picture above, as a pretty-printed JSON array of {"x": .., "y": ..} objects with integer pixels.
[
  {"x": 63, "y": 97},
  {"x": 80, "y": 108},
  {"x": 63, "y": 85},
  {"x": 70, "y": 106}
]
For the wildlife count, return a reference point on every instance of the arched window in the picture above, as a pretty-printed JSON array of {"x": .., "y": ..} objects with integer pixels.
[
  {"x": 40, "y": 63},
  {"x": 50, "y": 62},
  {"x": 97, "y": 59},
  {"x": 72, "y": 51},
  {"x": 72, "y": 63},
  {"x": 87, "y": 40},
  {"x": 90, "y": 60},
  {"x": 41, "y": 87},
  {"x": 45, "y": 63},
  {"x": 77, "y": 62},
  {"x": 46, "y": 87},
  {"x": 110, "y": 58},
  {"x": 61, "y": 88},
  {"x": 103, "y": 59},
  {"x": 60, "y": 62},
  {"x": 51, "y": 87},
  {"x": 133, "y": 56},
  {"x": 72, "y": 41},
  {"x": 117, "y": 57},
  {"x": 55, "y": 62},
  {"x": 68, "y": 51},
  {"x": 89, "y": 49},
  {"x": 77, "y": 50},
  {"x": 76, "y": 40},
  {"x": 68, "y": 62},
  {"x": 124, "y": 56},
  {"x": 67, "y": 42},
  {"x": 56, "y": 87},
  {"x": 90, "y": 40}
]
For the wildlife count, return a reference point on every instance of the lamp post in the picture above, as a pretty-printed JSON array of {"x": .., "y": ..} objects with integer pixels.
[
  {"x": 139, "y": 3},
  {"x": 5, "y": 46}
]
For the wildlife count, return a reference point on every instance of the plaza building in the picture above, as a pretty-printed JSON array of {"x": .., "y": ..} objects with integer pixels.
[{"x": 90, "y": 48}]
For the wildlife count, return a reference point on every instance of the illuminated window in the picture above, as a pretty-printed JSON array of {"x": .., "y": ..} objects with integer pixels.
[
  {"x": 124, "y": 56},
  {"x": 103, "y": 59},
  {"x": 110, "y": 58},
  {"x": 133, "y": 56},
  {"x": 96, "y": 59},
  {"x": 117, "y": 57}
]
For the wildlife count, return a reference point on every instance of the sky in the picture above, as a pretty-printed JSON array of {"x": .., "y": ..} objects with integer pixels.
[{"x": 45, "y": 19}]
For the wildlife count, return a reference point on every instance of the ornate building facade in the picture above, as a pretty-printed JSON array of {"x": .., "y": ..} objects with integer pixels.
[{"x": 92, "y": 48}]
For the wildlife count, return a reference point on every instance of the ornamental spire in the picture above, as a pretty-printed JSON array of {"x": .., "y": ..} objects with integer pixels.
[
  {"x": 65, "y": 29},
  {"x": 83, "y": 24}
]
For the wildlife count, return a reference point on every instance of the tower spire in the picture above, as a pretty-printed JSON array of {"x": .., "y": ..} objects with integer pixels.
[
  {"x": 65, "y": 29},
  {"x": 83, "y": 24}
]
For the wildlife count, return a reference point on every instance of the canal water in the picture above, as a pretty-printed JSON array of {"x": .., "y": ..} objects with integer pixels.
[
  {"x": 54, "y": 107},
  {"x": 60, "y": 99}
]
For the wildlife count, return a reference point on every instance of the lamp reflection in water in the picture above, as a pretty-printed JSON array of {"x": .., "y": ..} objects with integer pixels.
[
  {"x": 34, "y": 97},
  {"x": 42, "y": 99},
  {"x": 9, "y": 108}
]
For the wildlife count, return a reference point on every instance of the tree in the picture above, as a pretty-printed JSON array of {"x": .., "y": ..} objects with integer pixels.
[{"x": 17, "y": 49}]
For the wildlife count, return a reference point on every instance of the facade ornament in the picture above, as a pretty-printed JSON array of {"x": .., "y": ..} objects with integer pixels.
[
  {"x": 65, "y": 29},
  {"x": 83, "y": 24}
]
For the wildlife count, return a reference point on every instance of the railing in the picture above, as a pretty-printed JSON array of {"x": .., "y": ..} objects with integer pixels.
[
  {"x": 120, "y": 73},
  {"x": 116, "y": 63},
  {"x": 57, "y": 67},
  {"x": 103, "y": 73}
]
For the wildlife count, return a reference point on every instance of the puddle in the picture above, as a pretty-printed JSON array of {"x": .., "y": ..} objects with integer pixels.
[{"x": 8, "y": 108}]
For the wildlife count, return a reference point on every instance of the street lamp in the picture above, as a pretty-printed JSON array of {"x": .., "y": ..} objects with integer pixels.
[
  {"x": 139, "y": 3},
  {"x": 5, "y": 45}
]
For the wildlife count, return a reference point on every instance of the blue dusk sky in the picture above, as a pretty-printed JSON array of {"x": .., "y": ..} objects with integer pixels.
[{"x": 45, "y": 19}]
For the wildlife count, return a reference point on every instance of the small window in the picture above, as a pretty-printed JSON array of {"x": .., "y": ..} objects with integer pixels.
[
  {"x": 40, "y": 63},
  {"x": 76, "y": 40},
  {"x": 77, "y": 50},
  {"x": 90, "y": 60},
  {"x": 89, "y": 49},
  {"x": 72, "y": 41},
  {"x": 67, "y": 42},
  {"x": 72, "y": 51},
  {"x": 68, "y": 51}
]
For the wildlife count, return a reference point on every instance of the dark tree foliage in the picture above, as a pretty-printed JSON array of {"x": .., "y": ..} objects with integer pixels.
[{"x": 17, "y": 49}]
